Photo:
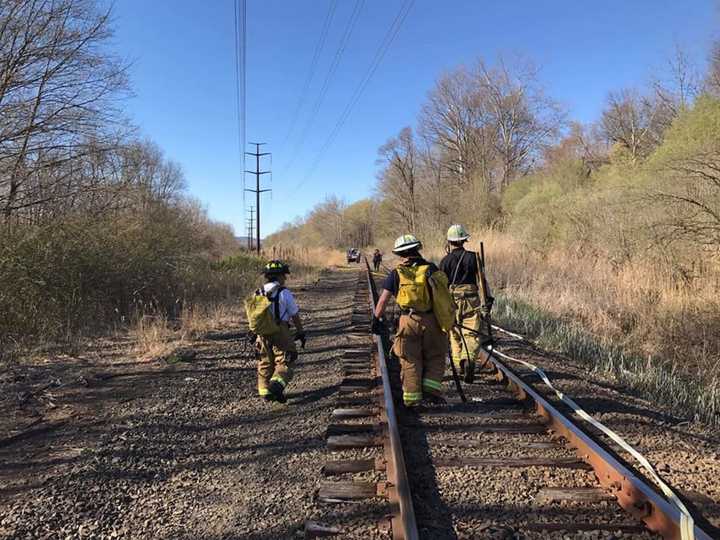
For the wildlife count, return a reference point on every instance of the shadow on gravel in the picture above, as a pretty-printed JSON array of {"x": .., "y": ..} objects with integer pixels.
[
  {"x": 605, "y": 405},
  {"x": 335, "y": 330},
  {"x": 308, "y": 396},
  {"x": 433, "y": 516},
  {"x": 317, "y": 350}
]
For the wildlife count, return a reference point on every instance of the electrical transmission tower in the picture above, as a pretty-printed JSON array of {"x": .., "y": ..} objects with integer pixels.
[
  {"x": 250, "y": 226},
  {"x": 257, "y": 191}
]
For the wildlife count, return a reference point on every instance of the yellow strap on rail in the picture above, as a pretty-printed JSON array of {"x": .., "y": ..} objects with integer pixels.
[{"x": 687, "y": 529}]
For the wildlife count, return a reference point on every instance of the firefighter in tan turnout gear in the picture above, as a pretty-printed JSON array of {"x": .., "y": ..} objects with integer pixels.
[
  {"x": 421, "y": 292},
  {"x": 270, "y": 310},
  {"x": 462, "y": 269}
]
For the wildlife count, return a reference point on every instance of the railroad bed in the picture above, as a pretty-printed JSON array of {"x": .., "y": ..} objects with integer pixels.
[{"x": 507, "y": 464}]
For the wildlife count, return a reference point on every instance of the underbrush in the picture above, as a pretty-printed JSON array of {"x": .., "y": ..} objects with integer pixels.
[
  {"x": 159, "y": 337},
  {"x": 80, "y": 278}
]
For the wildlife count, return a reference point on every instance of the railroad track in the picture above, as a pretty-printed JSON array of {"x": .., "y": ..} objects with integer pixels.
[{"x": 507, "y": 464}]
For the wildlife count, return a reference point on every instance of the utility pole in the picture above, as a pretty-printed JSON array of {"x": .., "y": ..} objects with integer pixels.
[
  {"x": 257, "y": 191},
  {"x": 250, "y": 225}
]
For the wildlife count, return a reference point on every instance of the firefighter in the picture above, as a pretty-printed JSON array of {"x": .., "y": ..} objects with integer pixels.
[
  {"x": 462, "y": 269},
  {"x": 277, "y": 351},
  {"x": 377, "y": 259},
  {"x": 420, "y": 343}
]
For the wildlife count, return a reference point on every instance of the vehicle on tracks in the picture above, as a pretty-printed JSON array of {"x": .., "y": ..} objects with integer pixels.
[{"x": 353, "y": 255}]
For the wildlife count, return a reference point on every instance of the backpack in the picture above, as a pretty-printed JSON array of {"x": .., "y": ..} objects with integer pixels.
[
  {"x": 259, "y": 309},
  {"x": 424, "y": 291},
  {"x": 442, "y": 301},
  {"x": 414, "y": 292}
]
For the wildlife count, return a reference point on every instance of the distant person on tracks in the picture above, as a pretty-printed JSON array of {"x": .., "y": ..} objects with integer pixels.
[
  {"x": 377, "y": 260},
  {"x": 420, "y": 343},
  {"x": 462, "y": 269},
  {"x": 275, "y": 344}
]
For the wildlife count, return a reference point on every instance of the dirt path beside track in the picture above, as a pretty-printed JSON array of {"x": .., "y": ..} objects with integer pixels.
[{"x": 179, "y": 451}]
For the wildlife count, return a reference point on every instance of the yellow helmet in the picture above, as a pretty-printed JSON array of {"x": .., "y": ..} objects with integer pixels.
[{"x": 406, "y": 242}]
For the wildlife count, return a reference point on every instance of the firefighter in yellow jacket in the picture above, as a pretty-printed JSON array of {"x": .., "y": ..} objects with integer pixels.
[
  {"x": 421, "y": 342},
  {"x": 461, "y": 267},
  {"x": 277, "y": 352}
]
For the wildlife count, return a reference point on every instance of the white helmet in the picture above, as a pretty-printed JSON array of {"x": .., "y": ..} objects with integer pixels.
[
  {"x": 406, "y": 242},
  {"x": 457, "y": 233}
]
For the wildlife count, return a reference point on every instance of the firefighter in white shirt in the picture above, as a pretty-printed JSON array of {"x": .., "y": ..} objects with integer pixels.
[{"x": 277, "y": 351}]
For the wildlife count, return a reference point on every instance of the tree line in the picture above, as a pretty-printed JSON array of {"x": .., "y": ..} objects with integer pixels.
[{"x": 489, "y": 142}]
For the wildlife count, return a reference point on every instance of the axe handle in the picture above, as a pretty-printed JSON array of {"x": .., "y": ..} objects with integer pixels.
[{"x": 480, "y": 260}]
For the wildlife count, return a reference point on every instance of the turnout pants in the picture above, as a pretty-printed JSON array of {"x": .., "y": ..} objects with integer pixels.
[
  {"x": 421, "y": 346},
  {"x": 277, "y": 355},
  {"x": 464, "y": 343}
]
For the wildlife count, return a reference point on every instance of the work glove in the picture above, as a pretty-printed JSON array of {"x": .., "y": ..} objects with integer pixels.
[
  {"x": 487, "y": 306},
  {"x": 300, "y": 336},
  {"x": 377, "y": 326}
]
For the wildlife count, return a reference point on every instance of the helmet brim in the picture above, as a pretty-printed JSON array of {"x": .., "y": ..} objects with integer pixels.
[
  {"x": 276, "y": 272},
  {"x": 407, "y": 247},
  {"x": 459, "y": 238}
]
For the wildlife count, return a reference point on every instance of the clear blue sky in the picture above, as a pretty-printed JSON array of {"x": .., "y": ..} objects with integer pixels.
[{"x": 183, "y": 76}]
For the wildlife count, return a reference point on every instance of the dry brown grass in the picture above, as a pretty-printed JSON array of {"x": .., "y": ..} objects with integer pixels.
[
  {"x": 156, "y": 337},
  {"x": 153, "y": 338},
  {"x": 199, "y": 320},
  {"x": 638, "y": 305}
]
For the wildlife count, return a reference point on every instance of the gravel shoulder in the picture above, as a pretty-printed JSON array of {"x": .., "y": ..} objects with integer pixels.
[{"x": 183, "y": 450}]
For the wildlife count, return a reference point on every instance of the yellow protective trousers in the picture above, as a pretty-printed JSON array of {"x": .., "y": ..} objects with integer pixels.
[
  {"x": 277, "y": 355},
  {"x": 421, "y": 346},
  {"x": 468, "y": 315}
]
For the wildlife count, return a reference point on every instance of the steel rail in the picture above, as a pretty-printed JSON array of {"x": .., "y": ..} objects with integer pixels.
[
  {"x": 404, "y": 525},
  {"x": 633, "y": 494}
]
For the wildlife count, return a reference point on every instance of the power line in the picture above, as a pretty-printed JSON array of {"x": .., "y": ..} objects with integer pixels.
[
  {"x": 244, "y": 77},
  {"x": 240, "y": 46},
  {"x": 360, "y": 89},
  {"x": 313, "y": 67},
  {"x": 349, "y": 27}
]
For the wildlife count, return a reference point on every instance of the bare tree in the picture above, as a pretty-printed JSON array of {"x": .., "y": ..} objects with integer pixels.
[
  {"x": 524, "y": 120},
  {"x": 399, "y": 180},
  {"x": 633, "y": 121},
  {"x": 57, "y": 89},
  {"x": 491, "y": 122},
  {"x": 712, "y": 79},
  {"x": 455, "y": 123},
  {"x": 680, "y": 84}
]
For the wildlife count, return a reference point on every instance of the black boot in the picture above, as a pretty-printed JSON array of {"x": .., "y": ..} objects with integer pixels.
[
  {"x": 434, "y": 399},
  {"x": 469, "y": 372},
  {"x": 277, "y": 391}
]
